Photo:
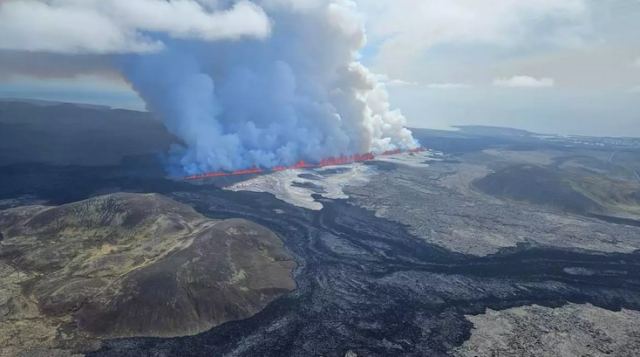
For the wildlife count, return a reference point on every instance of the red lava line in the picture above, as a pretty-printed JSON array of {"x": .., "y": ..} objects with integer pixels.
[{"x": 331, "y": 161}]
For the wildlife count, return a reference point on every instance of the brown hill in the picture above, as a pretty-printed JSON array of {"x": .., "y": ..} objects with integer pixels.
[{"x": 127, "y": 265}]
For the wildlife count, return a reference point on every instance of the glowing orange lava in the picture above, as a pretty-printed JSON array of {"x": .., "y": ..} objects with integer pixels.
[{"x": 330, "y": 161}]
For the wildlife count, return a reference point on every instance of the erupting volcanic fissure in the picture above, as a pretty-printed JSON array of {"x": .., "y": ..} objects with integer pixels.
[
  {"x": 331, "y": 161},
  {"x": 239, "y": 83},
  {"x": 295, "y": 92}
]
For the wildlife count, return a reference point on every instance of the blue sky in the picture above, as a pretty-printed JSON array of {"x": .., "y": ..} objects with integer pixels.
[{"x": 570, "y": 67}]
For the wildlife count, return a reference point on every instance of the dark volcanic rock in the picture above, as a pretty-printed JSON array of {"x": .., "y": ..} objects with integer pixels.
[
  {"x": 310, "y": 185},
  {"x": 365, "y": 285}
]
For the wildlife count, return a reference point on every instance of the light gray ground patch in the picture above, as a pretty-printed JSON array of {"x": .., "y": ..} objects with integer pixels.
[
  {"x": 294, "y": 186},
  {"x": 536, "y": 331},
  {"x": 439, "y": 205},
  {"x": 297, "y": 187}
]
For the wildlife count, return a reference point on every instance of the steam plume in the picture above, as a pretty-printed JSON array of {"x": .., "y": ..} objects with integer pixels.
[
  {"x": 242, "y": 83},
  {"x": 298, "y": 94}
]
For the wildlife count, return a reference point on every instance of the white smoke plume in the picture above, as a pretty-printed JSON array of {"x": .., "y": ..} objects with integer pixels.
[{"x": 241, "y": 96}]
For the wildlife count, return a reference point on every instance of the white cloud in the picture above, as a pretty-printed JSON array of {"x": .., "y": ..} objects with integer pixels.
[
  {"x": 524, "y": 82},
  {"x": 637, "y": 62},
  {"x": 393, "y": 82},
  {"x": 404, "y": 83},
  {"x": 120, "y": 26},
  {"x": 401, "y": 83},
  {"x": 448, "y": 85},
  {"x": 635, "y": 89},
  {"x": 407, "y": 28}
]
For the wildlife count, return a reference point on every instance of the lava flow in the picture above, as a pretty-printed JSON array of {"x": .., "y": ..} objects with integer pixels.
[{"x": 331, "y": 161}]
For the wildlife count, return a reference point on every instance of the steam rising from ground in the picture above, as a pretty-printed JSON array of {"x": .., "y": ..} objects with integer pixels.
[
  {"x": 241, "y": 83},
  {"x": 297, "y": 94},
  {"x": 301, "y": 187},
  {"x": 298, "y": 187}
]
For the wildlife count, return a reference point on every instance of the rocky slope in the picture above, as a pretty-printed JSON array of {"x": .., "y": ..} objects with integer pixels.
[{"x": 127, "y": 265}]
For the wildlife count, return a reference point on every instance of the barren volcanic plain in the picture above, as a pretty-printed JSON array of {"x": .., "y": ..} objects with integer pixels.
[{"x": 494, "y": 242}]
